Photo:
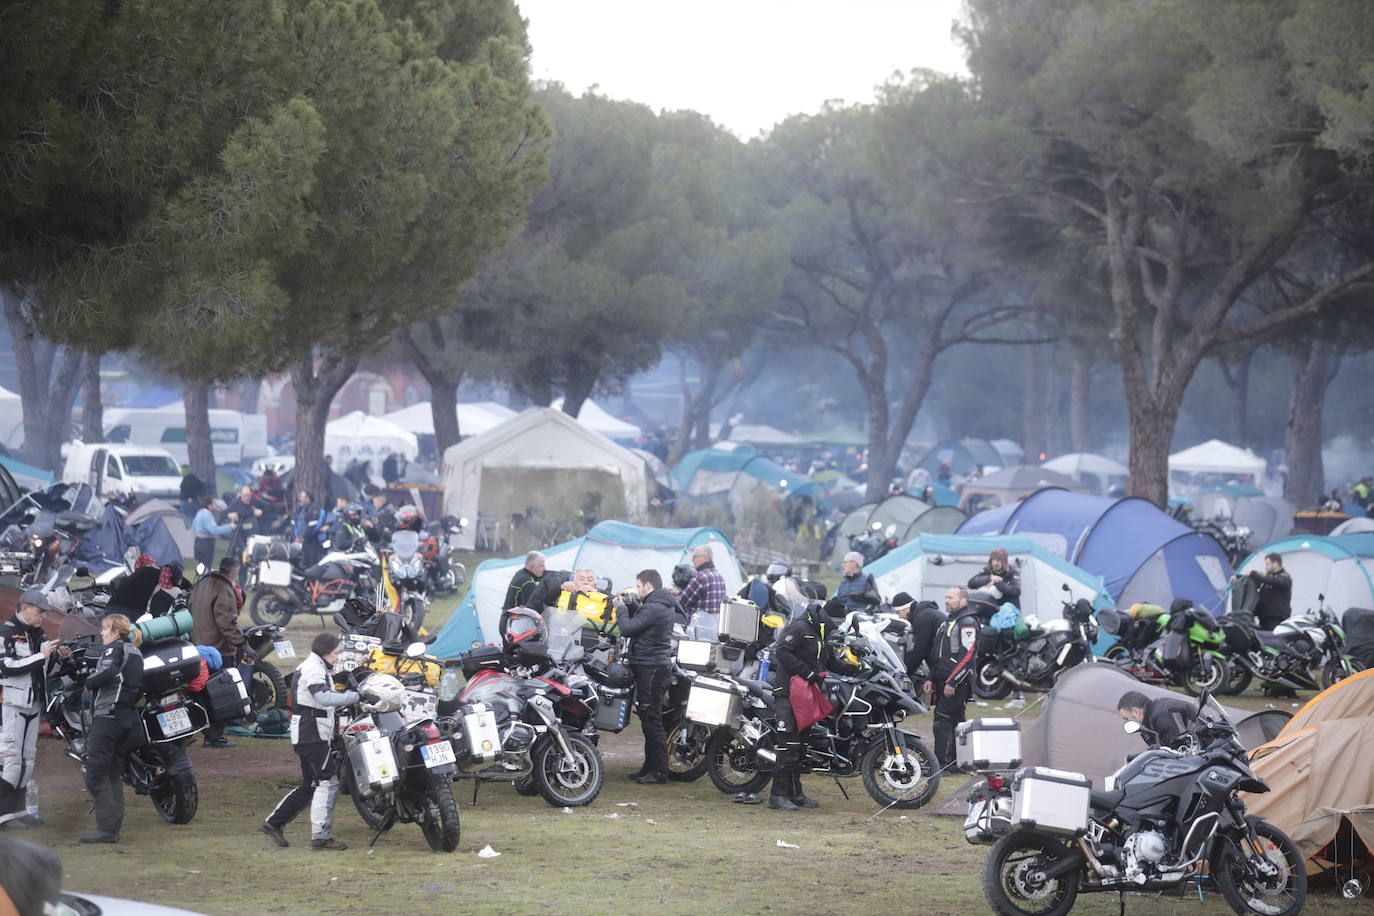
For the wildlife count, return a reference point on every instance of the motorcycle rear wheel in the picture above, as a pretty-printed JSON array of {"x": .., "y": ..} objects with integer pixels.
[
  {"x": 376, "y": 812},
  {"x": 267, "y": 608},
  {"x": 1245, "y": 894},
  {"x": 268, "y": 690},
  {"x": 687, "y": 751},
  {"x": 177, "y": 800},
  {"x": 1208, "y": 673},
  {"x": 439, "y": 821},
  {"x": 726, "y": 758},
  {"x": 990, "y": 687},
  {"x": 568, "y": 782},
  {"x": 1007, "y": 887},
  {"x": 905, "y": 784}
]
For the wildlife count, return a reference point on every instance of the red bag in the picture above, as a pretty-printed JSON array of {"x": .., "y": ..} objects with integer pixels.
[{"x": 809, "y": 704}]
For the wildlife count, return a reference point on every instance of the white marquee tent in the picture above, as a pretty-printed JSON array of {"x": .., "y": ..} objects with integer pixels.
[
  {"x": 538, "y": 455},
  {"x": 1098, "y": 472},
  {"x": 594, "y": 416},
  {"x": 366, "y": 438},
  {"x": 1220, "y": 458},
  {"x": 474, "y": 418}
]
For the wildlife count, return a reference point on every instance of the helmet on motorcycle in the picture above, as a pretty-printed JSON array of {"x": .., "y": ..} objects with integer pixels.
[
  {"x": 775, "y": 571},
  {"x": 382, "y": 693},
  {"x": 353, "y": 513},
  {"x": 683, "y": 574},
  {"x": 296, "y": 551},
  {"x": 409, "y": 518}
]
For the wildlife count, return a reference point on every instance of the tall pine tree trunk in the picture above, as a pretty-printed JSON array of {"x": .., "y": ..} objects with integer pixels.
[
  {"x": 316, "y": 380},
  {"x": 1316, "y": 369},
  {"x": 200, "y": 450},
  {"x": 1152, "y": 434},
  {"x": 48, "y": 381},
  {"x": 249, "y": 390},
  {"x": 443, "y": 407},
  {"x": 1080, "y": 393},
  {"x": 576, "y": 392},
  {"x": 92, "y": 410}
]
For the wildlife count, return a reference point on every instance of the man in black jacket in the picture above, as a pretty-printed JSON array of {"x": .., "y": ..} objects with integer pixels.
[
  {"x": 1162, "y": 721},
  {"x": 951, "y": 663},
  {"x": 650, "y": 630},
  {"x": 525, "y": 582},
  {"x": 802, "y": 652},
  {"x": 1275, "y": 603},
  {"x": 999, "y": 577},
  {"x": 925, "y": 618}
]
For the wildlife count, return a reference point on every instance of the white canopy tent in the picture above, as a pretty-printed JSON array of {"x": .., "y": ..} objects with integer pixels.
[
  {"x": 594, "y": 417},
  {"x": 366, "y": 438},
  {"x": 473, "y": 419},
  {"x": 11, "y": 419},
  {"x": 1098, "y": 472},
  {"x": 540, "y": 454},
  {"x": 1215, "y": 457}
]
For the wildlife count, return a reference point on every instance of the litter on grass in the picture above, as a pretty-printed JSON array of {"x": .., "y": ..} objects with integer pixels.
[
  {"x": 486, "y": 852},
  {"x": 783, "y": 844}
]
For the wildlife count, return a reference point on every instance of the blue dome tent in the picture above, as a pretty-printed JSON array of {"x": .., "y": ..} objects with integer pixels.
[
  {"x": 731, "y": 475},
  {"x": 965, "y": 455},
  {"x": 1141, "y": 553},
  {"x": 614, "y": 549}
]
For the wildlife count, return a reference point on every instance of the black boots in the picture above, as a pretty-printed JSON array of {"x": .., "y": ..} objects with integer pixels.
[
  {"x": 784, "y": 786},
  {"x": 799, "y": 797}
]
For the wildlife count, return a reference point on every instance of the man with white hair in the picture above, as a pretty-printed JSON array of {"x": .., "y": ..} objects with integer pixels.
[
  {"x": 703, "y": 596},
  {"x": 856, "y": 588},
  {"x": 525, "y": 582}
]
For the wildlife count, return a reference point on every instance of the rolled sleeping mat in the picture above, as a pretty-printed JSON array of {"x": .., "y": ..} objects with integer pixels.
[{"x": 166, "y": 627}]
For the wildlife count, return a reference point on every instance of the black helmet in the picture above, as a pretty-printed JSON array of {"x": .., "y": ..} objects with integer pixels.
[
  {"x": 353, "y": 513},
  {"x": 683, "y": 573}
]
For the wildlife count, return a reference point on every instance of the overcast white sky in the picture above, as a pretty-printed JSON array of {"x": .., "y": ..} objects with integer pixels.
[{"x": 747, "y": 63}]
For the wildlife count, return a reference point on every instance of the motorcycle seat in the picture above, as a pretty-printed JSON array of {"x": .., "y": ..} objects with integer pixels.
[
  {"x": 1107, "y": 800},
  {"x": 1276, "y": 639}
]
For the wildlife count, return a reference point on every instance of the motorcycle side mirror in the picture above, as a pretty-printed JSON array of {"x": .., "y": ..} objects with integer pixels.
[
  {"x": 83, "y": 571},
  {"x": 415, "y": 650},
  {"x": 1065, "y": 587},
  {"x": 1130, "y": 727},
  {"x": 876, "y": 526}
]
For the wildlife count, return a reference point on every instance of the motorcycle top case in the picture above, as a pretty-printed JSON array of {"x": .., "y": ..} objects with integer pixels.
[
  {"x": 169, "y": 665},
  {"x": 988, "y": 745},
  {"x": 483, "y": 658},
  {"x": 226, "y": 696},
  {"x": 374, "y": 763},
  {"x": 1051, "y": 801},
  {"x": 713, "y": 702},
  {"x": 739, "y": 620},
  {"x": 697, "y": 655}
]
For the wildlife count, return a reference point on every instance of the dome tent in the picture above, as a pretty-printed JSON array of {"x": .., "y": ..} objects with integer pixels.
[
  {"x": 1098, "y": 473},
  {"x": 909, "y": 515},
  {"x": 1011, "y": 484},
  {"x": 1141, "y": 553},
  {"x": 614, "y": 549},
  {"x": 929, "y": 564},
  {"x": 964, "y": 456},
  {"x": 1340, "y": 568},
  {"x": 732, "y": 475}
]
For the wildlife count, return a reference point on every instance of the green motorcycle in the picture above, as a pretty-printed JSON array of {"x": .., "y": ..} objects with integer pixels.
[{"x": 1182, "y": 649}]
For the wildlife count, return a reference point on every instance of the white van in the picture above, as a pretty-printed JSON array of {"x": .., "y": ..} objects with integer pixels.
[
  {"x": 237, "y": 438},
  {"x": 137, "y": 469}
]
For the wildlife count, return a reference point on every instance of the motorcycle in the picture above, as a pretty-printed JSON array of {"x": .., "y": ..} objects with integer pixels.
[
  {"x": 1290, "y": 655},
  {"x": 279, "y": 585},
  {"x": 398, "y": 761},
  {"x": 540, "y": 716},
  {"x": 1035, "y": 659},
  {"x": 1183, "y": 649},
  {"x": 860, "y": 737},
  {"x": 444, "y": 573},
  {"x": 874, "y": 543},
  {"x": 1166, "y": 817},
  {"x": 406, "y": 567},
  {"x": 159, "y": 768},
  {"x": 268, "y": 688}
]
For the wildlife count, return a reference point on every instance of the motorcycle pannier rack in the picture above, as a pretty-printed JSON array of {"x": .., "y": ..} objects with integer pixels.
[
  {"x": 482, "y": 736},
  {"x": 988, "y": 745},
  {"x": 739, "y": 620},
  {"x": 274, "y": 572},
  {"x": 712, "y": 702},
  {"x": 614, "y": 712},
  {"x": 697, "y": 655},
  {"x": 373, "y": 762},
  {"x": 1051, "y": 801},
  {"x": 226, "y": 696},
  {"x": 483, "y": 658},
  {"x": 169, "y": 665}
]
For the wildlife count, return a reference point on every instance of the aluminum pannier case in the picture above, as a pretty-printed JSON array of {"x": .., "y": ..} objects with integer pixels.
[
  {"x": 1051, "y": 801},
  {"x": 373, "y": 762},
  {"x": 988, "y": 745},
  {"x": 739, "y": 620},
  {"x": 714, "y": 703}
]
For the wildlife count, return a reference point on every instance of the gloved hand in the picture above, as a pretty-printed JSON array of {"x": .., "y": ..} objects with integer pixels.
[{"x": 816, "y": 677}]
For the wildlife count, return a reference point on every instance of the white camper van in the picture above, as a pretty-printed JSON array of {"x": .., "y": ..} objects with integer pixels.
[
  {"x": 237, "y": 438},
  {"x": 136, "y": 469}
]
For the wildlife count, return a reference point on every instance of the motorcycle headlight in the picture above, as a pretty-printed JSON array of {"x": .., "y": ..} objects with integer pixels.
[{"x": 415, "y": 567}]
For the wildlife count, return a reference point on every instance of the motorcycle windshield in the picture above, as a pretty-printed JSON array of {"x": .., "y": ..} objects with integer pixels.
[
  {"x": 70, "y": 626},
  {"x": 405, "y": 544}
]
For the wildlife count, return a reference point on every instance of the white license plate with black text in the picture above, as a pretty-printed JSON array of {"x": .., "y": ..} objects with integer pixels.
[
  {"x": 437, "y": 754},
  {"x": 284, "y": 648},
  {"x": 174, "y": 722}
]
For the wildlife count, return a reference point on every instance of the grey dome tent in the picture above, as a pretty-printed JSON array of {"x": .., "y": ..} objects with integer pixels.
[{"x": 909, "y": 515}]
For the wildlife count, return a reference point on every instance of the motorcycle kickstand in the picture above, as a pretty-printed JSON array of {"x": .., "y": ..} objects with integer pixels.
[
  {"x": 476, "y": 783},
  {"x": 375, "y": 836},
  {"x": 841, "y": 786}
]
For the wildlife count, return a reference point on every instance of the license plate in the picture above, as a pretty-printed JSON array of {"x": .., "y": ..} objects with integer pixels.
[
  {"x": 284, "y": 648},
  {"x": 437, "y": 754},
  {"x": 174, "y": 722}
]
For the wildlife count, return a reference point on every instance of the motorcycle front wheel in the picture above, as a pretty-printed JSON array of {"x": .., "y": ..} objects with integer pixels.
[
  {"x": 990, "y": 686},
  {"x": 906, "y": 782},
  {"x": 1240, "y": 680},
  {"x": 1336, "y": 671},
  {"x": 732, "y": 766},
  {"x": 1208, "y": 673},
  {"x": 439, "y": 820},
  {"x": 571, "y": 781},
  {"x": 1279, "y": 895},
  {"x": 268, "y": 608},
  {"x": 176, "y": 799},
  {"x": 687, "y": 751},
  {"x": 377, "y": 812},
  {"x": 268, "y": 690},
  {"x": 1007, "y": 882},
  {"x": 415, "y": 613}
]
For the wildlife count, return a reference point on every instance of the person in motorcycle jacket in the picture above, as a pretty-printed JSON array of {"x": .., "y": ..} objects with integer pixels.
[
  {"x": 952, "y": 653},
  {"x": 24, "y": 658},
  {"x": 1163, "y": 721},
  {"x": 925, "y": 618},
  {"x": 347, "y": 535},
  {"x": 314, "y": 704},
  {"x": 999, "y": 577},
  {"x": 116, "y": 685},
  {"x": 802, "y": 651},
  {"x": 523, "y": 585},
  {"x": 650, "y": 629},
  {"x": 857, "y": 588}
]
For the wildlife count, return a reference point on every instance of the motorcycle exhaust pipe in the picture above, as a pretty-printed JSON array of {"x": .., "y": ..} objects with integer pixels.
[
  {"x": 1015, "y": 681},
  {"x": 767, "y": 755}
]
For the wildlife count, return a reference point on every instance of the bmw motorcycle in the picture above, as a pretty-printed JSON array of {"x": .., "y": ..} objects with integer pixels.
[
  {"x": 1034, "y": 660},
  {"x": 860, "y": 737},
  {"x": 1167, "y": 818},
  {"x": 406, "y": 567},
  {"x": 1291, "y": 655},
  {"x": 279, "y": 585}
]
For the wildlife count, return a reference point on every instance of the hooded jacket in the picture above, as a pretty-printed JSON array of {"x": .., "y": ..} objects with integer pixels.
[
  {"x": 803, "y": 650},
  {"x": 21, "y": 663},
  {"x": 651, "y": 629}
]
